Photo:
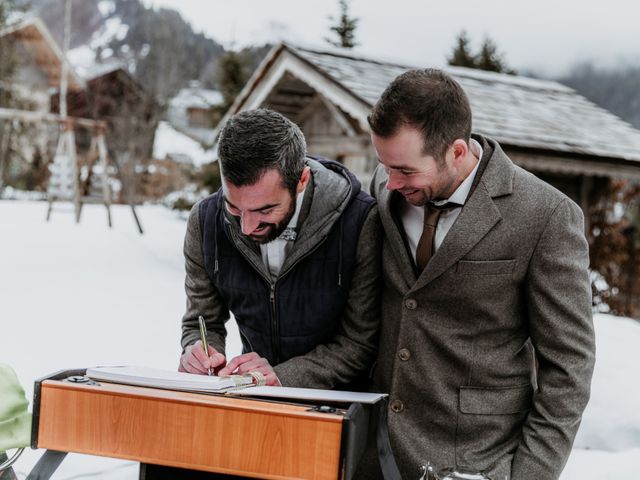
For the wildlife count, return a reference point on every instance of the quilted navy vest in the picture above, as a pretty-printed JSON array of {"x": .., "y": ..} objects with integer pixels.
[{"x": 288, "y": 317}]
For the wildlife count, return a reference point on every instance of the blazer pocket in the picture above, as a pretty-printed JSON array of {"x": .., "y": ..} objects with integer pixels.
[
  {"x": 495, "y": 401},
  {"x": 485, "y": 267}
]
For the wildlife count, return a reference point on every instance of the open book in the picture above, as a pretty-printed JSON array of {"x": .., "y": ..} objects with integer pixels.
[
  {"x": 153, "y": 377},
  {"x": 236, "y": 384}
]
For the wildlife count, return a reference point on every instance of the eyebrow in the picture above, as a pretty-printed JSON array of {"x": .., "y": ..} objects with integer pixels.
[
  {"x": 399, "y": 167},
  {"x": 259, "y": 209}
]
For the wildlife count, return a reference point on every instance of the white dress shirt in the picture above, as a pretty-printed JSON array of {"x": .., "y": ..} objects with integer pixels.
[
  {"x": 412, "y": 216},
  {"x": 274, "y": 252}
]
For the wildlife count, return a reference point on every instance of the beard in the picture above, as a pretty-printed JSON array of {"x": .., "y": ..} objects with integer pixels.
[
  {"x": 274, "y": 230},
  {"x": 442, "y": 190}
]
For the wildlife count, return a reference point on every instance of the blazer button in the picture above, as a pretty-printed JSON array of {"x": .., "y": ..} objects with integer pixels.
[
  {"x": 397, "y": 406},
  {"x": 411, "y": 304},
  {"x": 404, "y": 354}
]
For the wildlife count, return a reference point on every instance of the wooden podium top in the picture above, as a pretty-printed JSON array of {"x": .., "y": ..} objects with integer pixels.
[{"x": 218, "y": 433}]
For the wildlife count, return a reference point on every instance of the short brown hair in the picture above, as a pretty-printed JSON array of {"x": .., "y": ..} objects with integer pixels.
[
  {"x": 254, "y": 141},
  {"x": 429, "y": 100}
]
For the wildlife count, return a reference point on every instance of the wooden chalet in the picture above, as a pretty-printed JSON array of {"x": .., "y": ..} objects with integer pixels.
[
  {"x": 190, "y": 112},
  {"x": 26, "y": 139},
  {"x": 40, "y": 63},
  {"x": 112, "y": 95},
  {"x": 544, "y": 126}
]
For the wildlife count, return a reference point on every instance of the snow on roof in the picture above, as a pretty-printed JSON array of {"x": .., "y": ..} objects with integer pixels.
[
  {"x": 515, "y": 110},
  {"x": 171, "y": 143},
  {"x": 81, "y": 57},
  {"x": 99, "y": 69},
  {"x": 196, "y": 97},
  {"x": 15, "y": 17},
  {"x": 83, "y": 60}
]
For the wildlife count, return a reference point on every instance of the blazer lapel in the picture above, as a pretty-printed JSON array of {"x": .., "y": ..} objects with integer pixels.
[
  {"x": 477, "y": 217},
  {"x": 394, "y": 239}
]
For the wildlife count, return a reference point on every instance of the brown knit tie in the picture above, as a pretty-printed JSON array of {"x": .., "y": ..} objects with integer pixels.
[
  {"x": 424, "y": 251},
  {"x": 426, "y": 244}
]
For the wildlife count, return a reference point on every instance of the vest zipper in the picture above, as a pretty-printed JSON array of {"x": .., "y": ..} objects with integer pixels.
[
  {"x": 290, "y": 267},
  {"x": 275, "y": 327},
  {"x": 275, "y": 337}
]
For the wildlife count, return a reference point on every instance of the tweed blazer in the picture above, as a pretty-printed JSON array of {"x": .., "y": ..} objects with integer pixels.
[{"x": 507, "y": 289}]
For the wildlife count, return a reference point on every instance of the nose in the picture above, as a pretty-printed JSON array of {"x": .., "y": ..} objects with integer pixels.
[
  {"x": 393, "y": 183},
  {"x": 249, "y": 221}
]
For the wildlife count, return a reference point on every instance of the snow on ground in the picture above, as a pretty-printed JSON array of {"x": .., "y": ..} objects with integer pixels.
[
  {"x": 77, "y": 295},
  {"x": 612, "y": 418},
  {"x": 608, "y": 442},
  {"x": 81, "y": 295}
]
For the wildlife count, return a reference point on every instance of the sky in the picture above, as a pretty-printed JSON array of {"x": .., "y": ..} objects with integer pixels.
[{"x": 544, "y": 36}]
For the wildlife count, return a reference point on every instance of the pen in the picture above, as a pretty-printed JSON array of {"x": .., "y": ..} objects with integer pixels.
[{"x": 203, "y": 337}]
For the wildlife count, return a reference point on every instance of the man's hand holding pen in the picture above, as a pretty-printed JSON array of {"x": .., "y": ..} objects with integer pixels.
[
  {"x": 203, "y": 359},
  {"x": 194, "y": 360}
]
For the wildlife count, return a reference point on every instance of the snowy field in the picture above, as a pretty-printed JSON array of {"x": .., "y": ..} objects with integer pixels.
[{"x": 81, "y": 295}]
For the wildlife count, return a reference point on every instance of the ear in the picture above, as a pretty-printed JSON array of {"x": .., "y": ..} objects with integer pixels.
[
  {"x": 304, "y": 179},
  {"x": 460, "y": 149},
  {"x": 224, "y": 184}
]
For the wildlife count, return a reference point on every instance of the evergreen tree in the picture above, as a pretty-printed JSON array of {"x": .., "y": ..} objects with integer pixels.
[
  {"x": 461, "y": 56},
  {"x": 345, "y": 28},
  {"x": 232, "y": 75},
  {"x": 489, "y": 59}
]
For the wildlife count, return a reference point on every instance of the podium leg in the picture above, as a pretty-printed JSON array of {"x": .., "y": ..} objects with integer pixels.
[
  {"x": 47, "y": 465},
  {"x": 8, "y": 473}
]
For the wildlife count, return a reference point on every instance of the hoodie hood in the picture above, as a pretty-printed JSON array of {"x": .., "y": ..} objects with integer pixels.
[
  {"x": 333, "y": 188},
  {"x": 330, "y": 191}
]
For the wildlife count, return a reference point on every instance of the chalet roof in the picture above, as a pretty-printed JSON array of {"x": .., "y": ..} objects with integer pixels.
[
  {"x": 100, "y": 69},
  {"x": 517, "y": 111},
  {"x": 196, "y": 97},
  {"x": 37, "y": 39}
]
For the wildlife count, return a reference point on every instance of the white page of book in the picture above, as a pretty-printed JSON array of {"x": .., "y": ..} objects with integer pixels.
[
  {"x": 311, "y": 394},
  {"x": 153, "y": 377}
]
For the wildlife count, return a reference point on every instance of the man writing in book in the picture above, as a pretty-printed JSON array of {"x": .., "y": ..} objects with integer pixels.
[
  {"x": 487, "y": 344},
  {"x": 290, "y": 245}
]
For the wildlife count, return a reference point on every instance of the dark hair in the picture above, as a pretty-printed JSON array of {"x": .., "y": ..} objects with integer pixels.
[
  {"x": 429, "y": 100},
  {"x": 255, "y": 141}
]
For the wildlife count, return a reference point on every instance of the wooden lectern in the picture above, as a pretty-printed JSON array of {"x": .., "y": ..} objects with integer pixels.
[{"x": 214, "y": 433}]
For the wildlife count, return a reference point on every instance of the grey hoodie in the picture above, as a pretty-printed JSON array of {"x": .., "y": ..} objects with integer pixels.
[{"x": 351, "y": 349}]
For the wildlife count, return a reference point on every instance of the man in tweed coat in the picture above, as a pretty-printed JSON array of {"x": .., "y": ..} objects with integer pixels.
[{"x": 487, "y": 351}]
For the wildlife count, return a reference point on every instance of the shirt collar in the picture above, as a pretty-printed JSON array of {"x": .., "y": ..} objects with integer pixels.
[{"x": 462, "y": 192}]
